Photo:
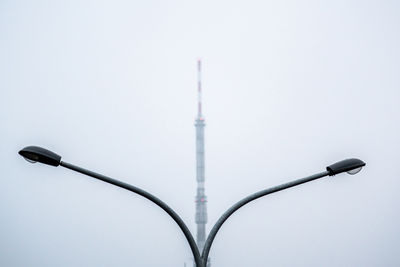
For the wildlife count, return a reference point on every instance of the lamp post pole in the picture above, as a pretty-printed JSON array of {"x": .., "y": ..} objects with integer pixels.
[{"x": 37, "y": 154}]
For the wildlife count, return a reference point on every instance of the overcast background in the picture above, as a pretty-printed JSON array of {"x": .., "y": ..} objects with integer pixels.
[{"x": 289, "y": 88}]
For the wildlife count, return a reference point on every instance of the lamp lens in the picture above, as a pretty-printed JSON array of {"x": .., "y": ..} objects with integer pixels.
[
  {"x": 354, "y": 171},
  {"x": 32, "y": 158},
  {"x": 29, "y": 160}
]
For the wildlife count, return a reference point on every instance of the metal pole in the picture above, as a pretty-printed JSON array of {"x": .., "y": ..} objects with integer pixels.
[
  {"x": 241, "y": 203},
  {"x": 155, "y": 200}
]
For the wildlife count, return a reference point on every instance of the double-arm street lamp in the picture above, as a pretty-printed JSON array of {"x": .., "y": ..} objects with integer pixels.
[{"x": 37, "y": 154}]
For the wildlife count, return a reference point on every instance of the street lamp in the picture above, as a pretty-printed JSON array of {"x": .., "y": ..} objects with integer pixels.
[{"x": 35, "y": 154}]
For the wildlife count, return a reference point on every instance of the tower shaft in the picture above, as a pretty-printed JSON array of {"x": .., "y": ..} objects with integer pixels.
[{"x": 201, "y": 198}]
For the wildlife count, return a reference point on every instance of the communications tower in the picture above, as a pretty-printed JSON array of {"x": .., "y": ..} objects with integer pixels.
[{"x": 201, "y": 198}]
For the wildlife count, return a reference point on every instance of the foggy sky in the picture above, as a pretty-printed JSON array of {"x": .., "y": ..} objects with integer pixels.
[{"x": 289, "y": 87}]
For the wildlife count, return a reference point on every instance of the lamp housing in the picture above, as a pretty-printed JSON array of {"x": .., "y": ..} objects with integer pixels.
[
  {"x": 35, "y": 154},
  {"x": 351, "y": 166}
]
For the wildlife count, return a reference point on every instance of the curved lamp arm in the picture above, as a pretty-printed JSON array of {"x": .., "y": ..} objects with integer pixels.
[
  {"x": 38, "y": 154},
  {"x": 154, "y": 199},
  {"x": 241, "y": 203}
]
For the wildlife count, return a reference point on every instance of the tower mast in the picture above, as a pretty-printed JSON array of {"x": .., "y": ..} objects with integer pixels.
[{"x": 201, "y": 199}]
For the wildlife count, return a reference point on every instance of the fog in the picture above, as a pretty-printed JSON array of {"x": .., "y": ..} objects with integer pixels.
[{"x": 289, "y": 87}]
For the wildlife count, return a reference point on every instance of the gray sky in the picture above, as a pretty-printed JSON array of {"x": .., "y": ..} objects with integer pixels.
[{"x": 289, "y": 88}]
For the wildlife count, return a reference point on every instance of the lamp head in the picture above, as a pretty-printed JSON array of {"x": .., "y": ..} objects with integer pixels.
[
  {"x": 351, "y": 166},
  {"x": 35, "y": 154}
]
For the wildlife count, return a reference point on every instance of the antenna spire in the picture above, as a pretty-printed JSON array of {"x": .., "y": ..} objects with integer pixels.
[{"x": 199, "y": 112}]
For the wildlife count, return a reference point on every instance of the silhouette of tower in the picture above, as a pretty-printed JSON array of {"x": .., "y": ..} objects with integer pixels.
[{"x": 201, "y": 199}]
